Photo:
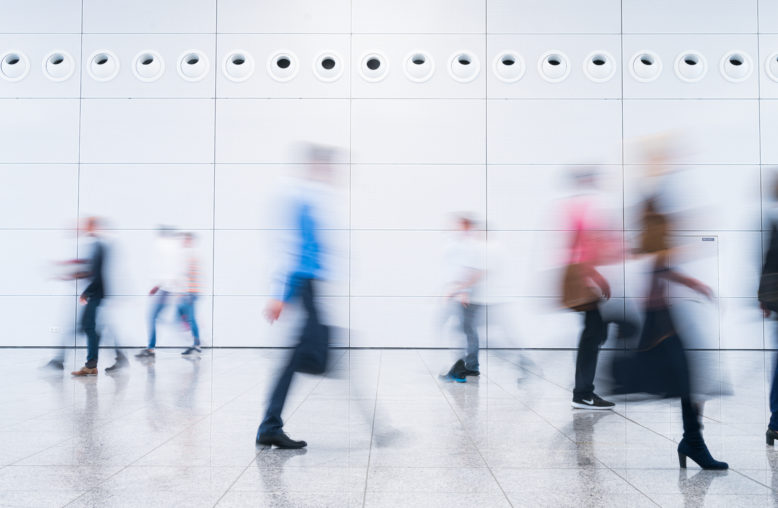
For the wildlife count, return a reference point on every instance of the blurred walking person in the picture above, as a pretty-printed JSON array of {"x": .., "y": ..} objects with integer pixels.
[
  {"x": 92, "y": 297},
  {"x": 768, "y": 301},
  {"x": 468, "y": 254},
  {"x": 306, "y": 267},
  {"x": 168, "y": 263},
  {"x": 584, "y": 288},
  {"x": 190, "y": 292}
]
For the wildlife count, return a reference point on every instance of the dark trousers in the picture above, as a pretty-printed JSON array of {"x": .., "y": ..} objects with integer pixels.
[
  {"x": 89, "y": 326},
  {"x": 469, "y": 327},
  {"x": 774, "y": 398},
  {"x": 272, "y": 423},
  {"x": 594, "y": 334}
]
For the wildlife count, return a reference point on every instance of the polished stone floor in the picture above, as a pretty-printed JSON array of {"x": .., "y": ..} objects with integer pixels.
[{"x": 382, "y": 429}]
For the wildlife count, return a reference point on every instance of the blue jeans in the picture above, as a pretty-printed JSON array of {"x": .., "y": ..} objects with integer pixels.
[
  {"x": 470, "y": 328},
  {"x": 160, "y": 300},
  {"x": 186, "y": 308}
]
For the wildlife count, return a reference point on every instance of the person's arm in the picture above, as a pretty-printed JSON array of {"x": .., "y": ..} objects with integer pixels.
[
  {"x": 592, "y": 273},
  {"x": 95, "y": 265}
]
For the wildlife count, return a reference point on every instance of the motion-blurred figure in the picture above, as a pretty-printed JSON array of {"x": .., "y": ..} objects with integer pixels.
[
  {"x": 467, "y": 253},
  {"x": 170, "y": 269},
  {"x": 584, "y": 287},
  {"x": 768, "y": 301},
  {"x": 306, "y": 267},
  {"x": 660, "y": 366},
  {"x": 92, "y": 296},
  {"x": 189, "y": 292}
]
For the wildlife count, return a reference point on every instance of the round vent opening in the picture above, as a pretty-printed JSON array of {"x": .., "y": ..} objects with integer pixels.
[
  {"x": 463, "y": 66},
  {"x": 282, "y": 66},
  {"x": 508, "y": 66},
  {"x": 419, "y": 66},
  {"x": 58, "y": 66},
  {"x": 599, "y": 66},
  {"x": 238, "y": 66},
  {"x": 103, "y": 65},
  {"x": 690, "y": 66},
  {"x": 14, "y": 66},
  {"x": 736, "y": 66},
  {"x": 148, "y": 66},
  {"x": 193, "y": 65},
  {"x": 373, "y": 67},
  {"x": 645, "y": 66},
  {"x": 328, "y": 66},
  {"x": 554, "y": 66}
]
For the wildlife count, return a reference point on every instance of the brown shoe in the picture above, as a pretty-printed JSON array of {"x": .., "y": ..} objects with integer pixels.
[{"x": 85, "y": 371}]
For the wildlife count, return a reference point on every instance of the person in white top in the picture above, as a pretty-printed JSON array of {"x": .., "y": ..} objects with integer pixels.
[
  {"x": 169, "y": 261},
  {"x": 468, "y": 254}
]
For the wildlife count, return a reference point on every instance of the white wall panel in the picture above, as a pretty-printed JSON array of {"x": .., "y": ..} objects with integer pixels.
[
  {"x": 305, "y": 49},
  {"x": 291, "y": 16},
  {"x": 383, "y": 199},
  {"x": 399, "y": 263},
  {"x": 30, "y": 257},
  {"x": 398, "y": 49},
  {"x": 41, "y": 16},
  {"x": 768, "y": 54},
  {"x": 769, "y": 130},
  {"x": 561, "y": 16},
  {"x": 696, "y": 129},
  {"x": 37, "y": 320},
  {"x": 408, "y": 16},
  {"x": 417, "y": 131},
  {"x": 146, "y": 131},
  {"x": 690, "y": 16},
  {"x": 541, "y": 324},
  {"x": 50, "y": 196},
  {"x": 149, "y": 16},
  {"x": 534, "y": 132},
  {"x": 741, "y": 324},
  {"x": 39, "y": 130},
  {"x": 768, "y": 16},
  {"x": 170, "y": 48},
  {"x": 576, "y": 49},
  {"x": 147, "y": 196},
  {"x": 261, "y": 130}
]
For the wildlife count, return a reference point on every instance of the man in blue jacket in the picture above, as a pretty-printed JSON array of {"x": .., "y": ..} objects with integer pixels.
[{"x": 299, "y": 281}]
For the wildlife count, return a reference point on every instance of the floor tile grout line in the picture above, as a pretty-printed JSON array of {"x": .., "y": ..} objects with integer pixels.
[
  {"x": 464, "y": 428},
  {"x": 372, "y": 427}
]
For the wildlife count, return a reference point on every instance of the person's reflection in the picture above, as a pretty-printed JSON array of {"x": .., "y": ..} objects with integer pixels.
[
  {"x": 154, "y": 410},
  {"x": 273, "y": 476},
  {"x": 188, "y": 396},
  {"x": 695, "y": 489},
  {"x": 772, "y": 460},
  {"x": 583, "y": 428},
  {"x": 86, "y": 449}
]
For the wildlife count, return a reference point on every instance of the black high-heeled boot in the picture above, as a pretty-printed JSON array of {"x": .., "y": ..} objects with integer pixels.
[
  {"x": 771, "y": 436},
  {"x": 696, "y": 450}
]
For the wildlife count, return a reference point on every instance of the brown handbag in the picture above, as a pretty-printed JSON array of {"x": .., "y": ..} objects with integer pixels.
[{"x": 577, "y": 292}]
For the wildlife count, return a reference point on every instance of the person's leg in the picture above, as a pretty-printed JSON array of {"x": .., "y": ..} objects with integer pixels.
[
  {"x": 159, "y": 304},
  {"x": 469, "y": 326},
  {"x": 774, "y": 397},
  {"x": 594, "y": 333},
  {"x": 190, "y": 310},
  {"x": 89, "y": 325}
]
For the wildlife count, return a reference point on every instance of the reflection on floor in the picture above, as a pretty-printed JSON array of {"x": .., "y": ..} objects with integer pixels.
[{"x": 382, "y": 429}]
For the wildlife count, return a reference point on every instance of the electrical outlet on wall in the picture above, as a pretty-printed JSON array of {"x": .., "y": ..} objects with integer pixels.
[{"x": 54, "y": 329}]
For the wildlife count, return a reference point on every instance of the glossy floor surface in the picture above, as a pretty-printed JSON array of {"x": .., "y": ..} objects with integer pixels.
[{"x": 383, "y": 429}]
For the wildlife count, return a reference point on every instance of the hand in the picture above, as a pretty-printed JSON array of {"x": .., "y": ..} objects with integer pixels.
[
  {"x": 765, "y": 310},
  {"x": 606, "y": 291},
  {"x": 82, "y": 300},
  {"x": 273, "y": 310},
  {"x": 154, "y": 291},
  {"x": 702, "y": 288}
]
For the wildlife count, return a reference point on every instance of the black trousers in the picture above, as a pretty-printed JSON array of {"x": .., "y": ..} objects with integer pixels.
[
  {"x": 89, "y": 326},
  {"x": 594, "y": 334},
  {"x": 313, "y": 335}
]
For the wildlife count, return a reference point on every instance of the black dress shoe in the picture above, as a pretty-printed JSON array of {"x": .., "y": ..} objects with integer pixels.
[
  {"x": 771, "y": 436},
  {"x": 121, "y": 361},
  {"x": 280, "y": 440}
]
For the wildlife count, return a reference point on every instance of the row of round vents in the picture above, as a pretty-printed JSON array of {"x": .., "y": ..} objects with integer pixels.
[{"x": 463, "y": 66}]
